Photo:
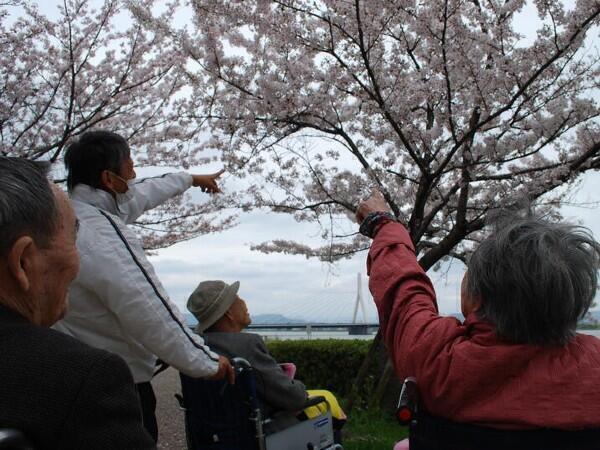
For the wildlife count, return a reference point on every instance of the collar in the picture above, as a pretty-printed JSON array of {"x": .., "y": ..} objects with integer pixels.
[
  {"x": 10, "y": 315},
  {"x": 95, "y": 197},
  {"x": 480, "y": 329}
]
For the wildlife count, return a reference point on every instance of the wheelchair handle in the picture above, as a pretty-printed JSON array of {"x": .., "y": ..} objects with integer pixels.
[
  {"x": 240, "y": 364},
  {"x": 407, "y": 403}
]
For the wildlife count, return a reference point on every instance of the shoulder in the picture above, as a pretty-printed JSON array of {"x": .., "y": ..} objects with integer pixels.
[
  {"x": 52, "y": 354},
  {"x": 218, "y": 336},
  {"x": 59, "y": 346},
  {"x": 95, "y": 227},
  {"x": 587, "y": 342},
  {"x": 89, "y": 215},
  {"x": 101, "y": 235},
  {"x": 253, "y": 337},
  {"x": 229, "y": 339},
  {"x": 252, "y": 340},
  {"x": 235, "y": 344}
]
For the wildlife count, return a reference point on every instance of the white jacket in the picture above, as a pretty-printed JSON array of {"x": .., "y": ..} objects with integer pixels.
[{"x": 117, "y": 302}]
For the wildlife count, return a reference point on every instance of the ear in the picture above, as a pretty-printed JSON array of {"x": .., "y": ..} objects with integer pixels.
[
  {"x": 475, "y": 304},
  {"x": 470, "y": 305},
  {"x": 21, "y": 261},
  {"x": 106, "y": 181}
]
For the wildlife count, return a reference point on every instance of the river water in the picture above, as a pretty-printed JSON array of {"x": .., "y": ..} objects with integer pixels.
[{"x": 295, "y": 335}]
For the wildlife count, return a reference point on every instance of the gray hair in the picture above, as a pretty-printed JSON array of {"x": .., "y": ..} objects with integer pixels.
[
  {"x": 535, "y": 279},
  {"x": 27, "y": 203}
]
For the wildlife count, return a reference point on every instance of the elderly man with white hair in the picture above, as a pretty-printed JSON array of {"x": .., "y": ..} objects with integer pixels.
[{"x": 59, "y": 392}]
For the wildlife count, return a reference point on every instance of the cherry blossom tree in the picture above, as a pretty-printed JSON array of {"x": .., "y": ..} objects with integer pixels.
[
  {"x": 63, "y": 76},
  {"x": 441, "y": 105},
  {"x": 92, "y": 66}
]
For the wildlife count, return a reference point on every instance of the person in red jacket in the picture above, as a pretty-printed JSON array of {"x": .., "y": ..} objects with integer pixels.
[{"x": 516, "y": 361}]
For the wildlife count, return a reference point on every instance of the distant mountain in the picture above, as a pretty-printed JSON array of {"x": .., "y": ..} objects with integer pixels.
[
  {"x": 259, "y": 319},
  {"x": 273, "y": 319},
  {"x": 279, "y": 319}
]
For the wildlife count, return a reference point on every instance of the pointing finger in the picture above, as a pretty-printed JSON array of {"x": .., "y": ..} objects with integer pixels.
[{"x": 219, "y": 173}]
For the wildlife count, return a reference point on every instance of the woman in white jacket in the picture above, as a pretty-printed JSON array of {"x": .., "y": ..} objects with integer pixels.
[{"x": 117, "y": 302}]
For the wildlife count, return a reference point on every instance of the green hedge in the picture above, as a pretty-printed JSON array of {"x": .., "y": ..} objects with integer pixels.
[{"x": 328, "y": 363}]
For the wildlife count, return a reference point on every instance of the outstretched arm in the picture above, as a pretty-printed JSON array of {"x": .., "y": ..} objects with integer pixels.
[{"x": 150, "y": 192}]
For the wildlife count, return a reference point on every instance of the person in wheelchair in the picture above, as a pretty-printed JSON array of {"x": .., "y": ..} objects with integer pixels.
[
  {"x": 55, "y": 391},
  {"x": 222, "y": 316},
  {"x": 516, "y": 362}
]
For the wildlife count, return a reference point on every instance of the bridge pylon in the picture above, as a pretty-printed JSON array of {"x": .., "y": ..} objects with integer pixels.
[{"x": 359, "y": 301}]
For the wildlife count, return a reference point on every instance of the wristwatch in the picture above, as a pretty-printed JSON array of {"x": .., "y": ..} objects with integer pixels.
[{"x": 370, "y": 225}]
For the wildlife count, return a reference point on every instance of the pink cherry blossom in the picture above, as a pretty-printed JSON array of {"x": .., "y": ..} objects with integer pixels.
[{"x": 442, "y": 105}]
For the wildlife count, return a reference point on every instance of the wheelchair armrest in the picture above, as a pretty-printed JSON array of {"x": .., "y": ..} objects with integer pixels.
[
  {"x": 314, "y": 401},
  {"x": 408, "y": 401}
]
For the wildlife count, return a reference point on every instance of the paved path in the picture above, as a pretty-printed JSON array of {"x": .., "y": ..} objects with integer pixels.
[{"x": 171, "y": 432}]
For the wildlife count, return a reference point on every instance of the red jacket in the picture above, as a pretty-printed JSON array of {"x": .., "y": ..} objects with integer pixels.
[{"x": 464, "y": 372}]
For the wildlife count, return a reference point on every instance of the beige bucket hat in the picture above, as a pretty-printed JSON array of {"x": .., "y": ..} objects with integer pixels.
[{"x": 210, "y": 301}]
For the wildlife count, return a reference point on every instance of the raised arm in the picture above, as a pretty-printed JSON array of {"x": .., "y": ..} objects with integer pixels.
[
  {"x": 413, "y": 332},
  {"x": 148, "y": 193}
]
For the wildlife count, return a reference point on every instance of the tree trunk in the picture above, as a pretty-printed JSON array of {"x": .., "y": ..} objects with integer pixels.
[
  {"x": 363, "y": 371},
  {"x": 381, "y": 388}
]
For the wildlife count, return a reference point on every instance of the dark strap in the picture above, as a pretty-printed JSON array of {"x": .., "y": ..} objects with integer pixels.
[
  {"x": 159, "y": 367},
  {"x": 185, "y": 330}
]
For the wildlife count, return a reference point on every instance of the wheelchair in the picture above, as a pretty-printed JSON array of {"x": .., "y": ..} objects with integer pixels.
[
  {"x": 219, "y": 416},
  {"x": 427, "y": 432},
  {"x": 11, "y": 439}
]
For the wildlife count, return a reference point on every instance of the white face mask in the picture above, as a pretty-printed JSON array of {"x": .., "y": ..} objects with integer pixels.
[
  {"x": 126, "y": 196},
  {"x": 122, "y": 198}
]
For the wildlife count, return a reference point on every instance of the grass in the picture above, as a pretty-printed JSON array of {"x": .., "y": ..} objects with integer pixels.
[{"x": 371, "y": 430}]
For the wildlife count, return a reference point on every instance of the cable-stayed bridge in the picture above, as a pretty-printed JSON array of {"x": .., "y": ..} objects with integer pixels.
[{"x": 321, "y": 316}]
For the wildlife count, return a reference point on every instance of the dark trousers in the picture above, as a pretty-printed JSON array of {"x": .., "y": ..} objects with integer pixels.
[{"x": 148, "y": 404}]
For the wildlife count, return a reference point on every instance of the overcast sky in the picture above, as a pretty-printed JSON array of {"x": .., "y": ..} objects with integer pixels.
[{"x": 305, "y": 288}]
